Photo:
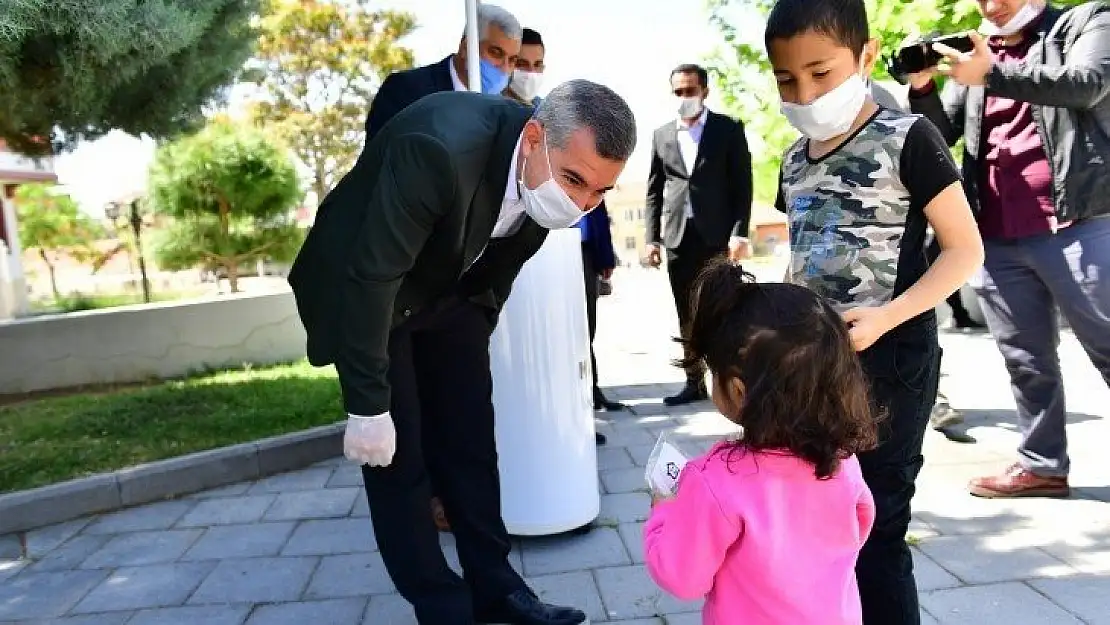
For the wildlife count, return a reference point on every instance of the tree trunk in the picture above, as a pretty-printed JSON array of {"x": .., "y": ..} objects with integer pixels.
[
  {"x": 233, "y": 276},
  {"x": 231, "y": 265},
  {"x": 53, "y": 274},
  {"x": 320, "y": 186}
]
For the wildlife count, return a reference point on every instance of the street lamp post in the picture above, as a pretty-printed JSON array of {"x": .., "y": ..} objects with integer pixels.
[
  {"x": 135, "y": 220},
  {"x": 136, "y": 228}
]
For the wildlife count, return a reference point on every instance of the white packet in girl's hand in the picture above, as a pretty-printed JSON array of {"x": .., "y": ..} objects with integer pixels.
[{"x": 663, "y": 467}]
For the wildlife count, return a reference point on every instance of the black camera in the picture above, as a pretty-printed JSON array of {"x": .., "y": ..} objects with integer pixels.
[{"x": 920, "y": 55}]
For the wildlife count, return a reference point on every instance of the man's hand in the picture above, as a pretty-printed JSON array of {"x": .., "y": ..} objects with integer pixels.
[
  {"x": 606, "y": 273},
  {"x": 967, "y": 68},
  {"x": 921, "y": 80},
  {"x": 866, "y": 324},
  {"x": 739, "y": 249},
  {"x": 653, "y": 252},
  {"x": 370, "y": 440}
]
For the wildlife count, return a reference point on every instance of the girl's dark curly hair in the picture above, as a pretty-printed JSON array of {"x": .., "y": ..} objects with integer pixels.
[{"x": 804, "y": 388}]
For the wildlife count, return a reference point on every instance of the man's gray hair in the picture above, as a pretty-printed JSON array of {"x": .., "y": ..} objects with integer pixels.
[
  {"x": 493, "y": 15},
  {"x": 581, "y": 104}
]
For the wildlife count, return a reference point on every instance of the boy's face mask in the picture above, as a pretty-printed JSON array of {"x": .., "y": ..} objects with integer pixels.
[{"x": 831, "y": 114}]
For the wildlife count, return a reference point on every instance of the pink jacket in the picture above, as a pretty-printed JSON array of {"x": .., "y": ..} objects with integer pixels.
[{"x": 762, "y": 539}]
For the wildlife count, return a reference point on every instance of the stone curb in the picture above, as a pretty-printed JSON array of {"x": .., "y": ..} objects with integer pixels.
[{"x": 165, "y": 479}]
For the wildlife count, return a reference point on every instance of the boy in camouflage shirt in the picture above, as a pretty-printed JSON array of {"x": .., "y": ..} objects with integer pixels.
[{"x": 860, "y": 188}]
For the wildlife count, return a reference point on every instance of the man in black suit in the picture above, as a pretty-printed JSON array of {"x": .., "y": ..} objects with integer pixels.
[
  {"x": 699, "y": 197},
  {"x": 499, "y": 44},
  {"x": 400, "y": 283}
]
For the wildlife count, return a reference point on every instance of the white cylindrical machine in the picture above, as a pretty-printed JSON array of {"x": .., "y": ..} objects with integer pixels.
[{"x": 542, "y": 394}]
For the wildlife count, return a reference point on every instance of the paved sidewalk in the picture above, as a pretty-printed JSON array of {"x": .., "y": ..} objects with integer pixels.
[{"x": 298, "y": 548}]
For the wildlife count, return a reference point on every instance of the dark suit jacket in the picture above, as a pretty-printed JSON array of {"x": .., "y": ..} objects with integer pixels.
[
  {"x": 719, "y": 187},
  {"x": 401, "y": 89},
  {"x": 400, "y": 230},
  {"x": 599, "y": 245}
]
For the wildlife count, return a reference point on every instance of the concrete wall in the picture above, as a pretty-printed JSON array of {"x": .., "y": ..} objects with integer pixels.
[{"x": 136, "y": 343}]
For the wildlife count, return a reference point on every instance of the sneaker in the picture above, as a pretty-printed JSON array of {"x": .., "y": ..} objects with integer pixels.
[{"x": 944, "y": 416}]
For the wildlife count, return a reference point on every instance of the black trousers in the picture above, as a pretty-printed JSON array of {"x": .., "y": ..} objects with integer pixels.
[
  {"x": 590, "y": 275},
  {"x": 904, "y": 370},
  {"x": 684, "y": 263},
  {"x": 442, "y": 408}
]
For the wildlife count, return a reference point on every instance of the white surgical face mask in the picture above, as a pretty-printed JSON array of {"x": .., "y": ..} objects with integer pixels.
[
  {"x": 689, "y": 108},
  {"x": 1017, "y": 23},
  {"x": 526, "y": 84},
  {"x": 831, "y": 114},
  {"x": 548, "y": 204}
]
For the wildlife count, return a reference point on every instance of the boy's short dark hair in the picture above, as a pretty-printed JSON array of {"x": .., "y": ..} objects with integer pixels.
[
  {"x": 531, "y": 38},
  {"x": 843, "y": 21},
  {"x": 691, "y": 68}
]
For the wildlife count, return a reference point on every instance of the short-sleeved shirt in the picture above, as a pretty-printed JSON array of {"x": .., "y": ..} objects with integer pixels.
[{"x": 857, "y": 214}]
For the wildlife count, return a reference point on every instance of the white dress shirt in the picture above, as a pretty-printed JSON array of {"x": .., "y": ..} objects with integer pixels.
[
  {"x": 511, "y": 216},
  {"x": 689, "y": 138},
  {"x": 512, "y": 206},
  {"x": 456, "y": 82}
]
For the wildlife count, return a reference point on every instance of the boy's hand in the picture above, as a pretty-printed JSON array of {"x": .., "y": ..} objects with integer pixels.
[{"x": 866, "y": 324}]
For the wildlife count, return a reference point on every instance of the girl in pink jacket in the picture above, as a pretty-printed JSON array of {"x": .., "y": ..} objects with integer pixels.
[{"x": 767, "y": 528}]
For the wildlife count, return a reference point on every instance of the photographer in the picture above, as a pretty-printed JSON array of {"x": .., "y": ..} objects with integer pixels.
[{"x": 1032, "y": 106}]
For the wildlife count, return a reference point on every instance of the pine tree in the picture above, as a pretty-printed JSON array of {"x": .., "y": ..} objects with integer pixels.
[{"x": 76, "y": 69}]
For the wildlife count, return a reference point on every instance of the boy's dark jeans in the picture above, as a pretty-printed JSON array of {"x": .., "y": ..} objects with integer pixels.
[{"x": 904, "y": 370}]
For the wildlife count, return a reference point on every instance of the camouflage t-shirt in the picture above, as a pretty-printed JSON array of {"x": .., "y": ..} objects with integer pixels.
[{"x": 856, "y": 215}]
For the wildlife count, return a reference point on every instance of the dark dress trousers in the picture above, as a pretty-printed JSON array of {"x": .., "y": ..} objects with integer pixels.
[
  {"x": 598, "y": 255},
  {"x": 387, "y": 291}
]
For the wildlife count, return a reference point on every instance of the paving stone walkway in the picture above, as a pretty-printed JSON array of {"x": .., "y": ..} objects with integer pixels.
[{"x": 298, "y": 548}]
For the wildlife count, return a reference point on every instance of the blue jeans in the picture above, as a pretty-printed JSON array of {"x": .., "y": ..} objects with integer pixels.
[{"x": 1021, "y": 285}]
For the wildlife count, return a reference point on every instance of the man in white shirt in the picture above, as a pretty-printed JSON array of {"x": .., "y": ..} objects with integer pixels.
[
  {"x": 400, "y": 284},
  {"x": 499, "y": 46},
  {"x": 699, "y": 197}
]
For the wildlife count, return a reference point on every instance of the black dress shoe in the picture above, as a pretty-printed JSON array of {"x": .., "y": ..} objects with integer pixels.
[
  {"x": 523, "y": 607},
  {"x": 600, "y": 438},
  {"x": 601, "y": 402},
  {"x": 688, "y": 395}
]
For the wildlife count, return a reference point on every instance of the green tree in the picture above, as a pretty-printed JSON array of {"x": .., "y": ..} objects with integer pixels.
[
  {"x": 51, "y": 224},
  {"x": 76, "y": 69},
  {"x": 747, "y": 87},
  {"x": 318, "y": 66},
  {"x": 230, "y": 192}
]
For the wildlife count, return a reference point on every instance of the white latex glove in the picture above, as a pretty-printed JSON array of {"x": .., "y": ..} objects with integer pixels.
[{"x": 370, "y": 440}]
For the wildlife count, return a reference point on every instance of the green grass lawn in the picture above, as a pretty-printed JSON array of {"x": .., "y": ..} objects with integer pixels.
[{"x": 48, "y": 440}]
